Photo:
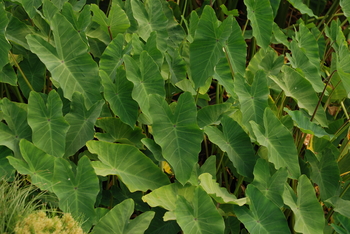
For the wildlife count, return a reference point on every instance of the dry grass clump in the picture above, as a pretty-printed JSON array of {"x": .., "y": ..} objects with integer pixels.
[{"x": 39, "y": 223}]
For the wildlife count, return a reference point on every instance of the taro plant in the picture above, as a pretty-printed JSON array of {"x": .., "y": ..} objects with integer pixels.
[{"x": 181, "y": 117}]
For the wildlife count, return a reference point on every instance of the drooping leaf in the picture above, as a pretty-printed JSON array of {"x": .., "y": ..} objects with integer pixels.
[
  {"x": 76, "y": 188},
  {"x": 5, "y": 46},
  {"x": 118, "y": 95},
  {"x": 304, "y": 124},
  {"x": 48, "y": 125},
  {"x": 206, "y": 49},
  {"x": 219, "y": 194},
  {"x": 116, "y": 22},
  {"x": 236, "y": 143},
  {"x": 146, "y": 78},
  {"x": 325, "y": 173},
  {"x": 37, "y": 164},
  {"x": 271, "y": 185},
  {"x": 296, "y": 86},
  {"x": 116, "y": 131},
  {"x": 69, "y": 63},
  {"x": 263, "y": 216},
  {"x": 117, "y": 220},
  {"x": 261, "y": 16},
  {"x": 135, "y": 169},
  {"x": 177, "y": 133},
  {"x": 200, "y": 215},
  {"x": 309, "y": 217},
  {"x": 17, "y": 127},
  {"x": 279, "y": 142},
  {"x": 302, "y": 7},
  {"x": 211, "y": 114},
  {"x": 81, "y": 123}
]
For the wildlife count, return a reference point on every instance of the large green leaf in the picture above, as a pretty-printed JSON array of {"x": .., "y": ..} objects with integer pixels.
[
  {"x": 271, "y": 185},
  {"x": 177, "y": 133},
  {"x": 219, "y": 194},
  {"x": 263, "y": 216},
  {"x": 206, "y": 49},
  {"x": 17, "y": 127},
  {"x": 199, "y": 215},
  {"x": 81, "y": 123},
  {"x": 118, "y": 95},
  {"x": 325, "y": 173},
  {"x": 5, "y": 46},
  {"x": 345, "y": 5},
  {"x": 117, "y": 220},
  {"x": 69, "y": 62},
  {"x": 309, "y": 217},
  {"x": 116, "y": 22},
  {"x": 135, "y": 169},
  {"x": 37, "y": 164},
  {"x": 46, "y": 120},
  {"x": 76, "y": 188},
  {"x": 279, "y": 142},
  {"x": 146, "y": 78},
  {"x": 236, "y": 143},
  {"x": 261, "y": 16},
  {"x": 296, "y": 86},
  {"x": 252, "y": 98},
  {"x": 116, "y": 131}
]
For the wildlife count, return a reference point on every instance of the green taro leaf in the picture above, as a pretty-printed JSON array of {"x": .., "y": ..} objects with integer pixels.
[
  {"x": 7, "y": 75},
  {"x": 117, "y": 220},
  {"x": 37, "y": 164},
  {"x": 6, "y": 169},
  {"x": 81, "y": 123},
  {"x": 135, "y": 169},
  {"x": 236, "y": 143},
  {"x": 69, "y": 62},
  {"x": 5, "y": 46},
  {"x": 296, "y": 86},
  {"x": 309, "y": 217},
  {"x": 325, "y": 173},
  {"x": 210, "y": 114},
  {"x": 118, "y": 95},
  {"x": 304, "y": 9},
  {"x": 177, "y": 133},
  {"x": 206, "y": 49},
  {"x": 16, "y": 128},
  {"x": 219, "y": 194},
  {"x": 279, "y": 142},
  {"x": 261, "y": 16},
  {"x": 252, "y": 98},
  {"x": 200, "y": 215},
  {"x": 224, "y": 76},
  {"x": 116, "y": 131},
  {"x": 76, "y": 188},
  {"x": 345, "y": 5},
  {"x": 263, "y": 216},
  {"x": 116, "y": 22},
  {"x": 46, "y": 120},
  {"x": 271, "y": 185},
  {"x": 146, "y": 78}
]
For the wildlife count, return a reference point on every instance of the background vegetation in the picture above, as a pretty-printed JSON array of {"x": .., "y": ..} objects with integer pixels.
[{"x": 179, "y": 116}]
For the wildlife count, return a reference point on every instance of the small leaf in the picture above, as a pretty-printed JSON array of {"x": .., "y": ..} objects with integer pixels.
[
  {"x": 5, "y": 46},
  {"x": 302, "y": 7},
  {"x": 233, "y": 12},
  {"x": 117, "y": 220},
  {"x": 135, "y": 169},
  {"x": 47, "y": 122},
  {"x": 210, "y": 114}
]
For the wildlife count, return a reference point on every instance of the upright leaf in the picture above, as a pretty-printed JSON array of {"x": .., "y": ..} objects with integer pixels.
[
  {"x": 69, "y": 62},
  {"x": 263, "y": 216},
  {"x": 81, "y": 123},
  {"x": 5, "y": 46},
  {"x": 206, "y": 49},
  {"x": 309, "y": 217},
  {"x": 135, "y": 169},
  {"x": 117, "y": 220},
  {"x": 236, "y": 143},
  {"x": 200, "y": 215},
  {"x": 177, "y": 133},
  {"x": 279, "y": 142},
  {"x": 76, "y": 188},
  {"x": 211, "y": 114},
  {"x": 46, "y": 120},
  {"x": 261, "y": 16}
]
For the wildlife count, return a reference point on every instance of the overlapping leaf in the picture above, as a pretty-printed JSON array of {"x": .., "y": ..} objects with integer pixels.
[
  {"x": 304, "y": 9},
  {"x": 211, "y": 114},
  {"x": 46, "y": 120},
  {"x": 69, "y": 63},
  {"x": 5, "y": 46},
  {"x": 134, "y": 168},
  {"x": 177, "y": 133}
]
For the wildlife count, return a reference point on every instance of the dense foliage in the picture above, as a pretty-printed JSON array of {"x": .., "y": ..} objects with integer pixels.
[{"x": 158, "y": 116}]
